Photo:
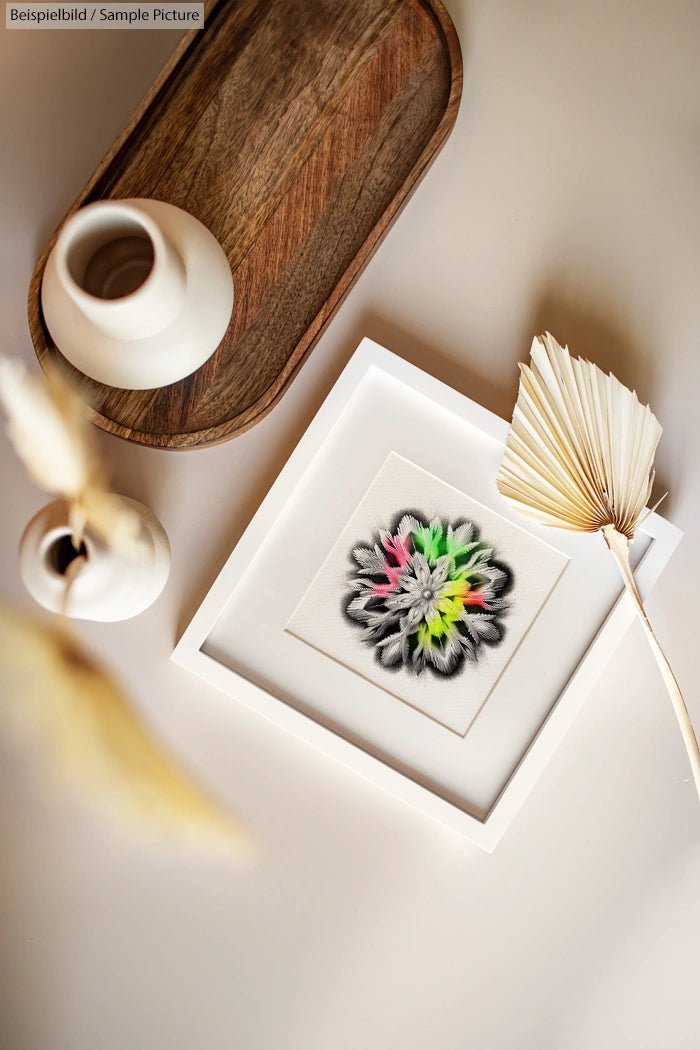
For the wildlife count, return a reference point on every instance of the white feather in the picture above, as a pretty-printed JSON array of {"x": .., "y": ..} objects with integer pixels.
[{"x": 45, "y": 425}]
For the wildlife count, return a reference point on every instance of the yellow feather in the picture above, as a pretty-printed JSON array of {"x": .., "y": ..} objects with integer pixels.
[{"x": 57, "y": 700}]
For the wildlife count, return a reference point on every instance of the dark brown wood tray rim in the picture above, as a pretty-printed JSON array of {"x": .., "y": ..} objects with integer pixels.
[{"x": 222, "y": 431}]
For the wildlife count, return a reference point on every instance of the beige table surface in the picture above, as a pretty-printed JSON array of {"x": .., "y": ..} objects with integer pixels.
[{"x": 567, "y": 198}]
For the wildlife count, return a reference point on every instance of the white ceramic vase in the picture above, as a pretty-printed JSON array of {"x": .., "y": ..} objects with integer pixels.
[
  {"x": 112, "y": 584},
  {"x": 136, "y": 293}
]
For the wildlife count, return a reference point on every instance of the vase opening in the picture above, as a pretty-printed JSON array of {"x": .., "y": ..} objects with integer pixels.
[
  {"x": 62, "y": 553},
  {"x": 111, "y": 260}
]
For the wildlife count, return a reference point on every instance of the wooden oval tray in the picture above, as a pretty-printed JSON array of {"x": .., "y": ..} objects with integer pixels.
[{"x": 295, "y": 130}]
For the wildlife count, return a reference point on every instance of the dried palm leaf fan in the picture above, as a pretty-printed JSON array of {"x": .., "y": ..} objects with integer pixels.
[{"x": 579, "y": 456}]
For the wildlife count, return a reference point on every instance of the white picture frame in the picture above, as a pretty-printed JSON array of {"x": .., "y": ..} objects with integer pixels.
[{"x": 473, "y": 783}]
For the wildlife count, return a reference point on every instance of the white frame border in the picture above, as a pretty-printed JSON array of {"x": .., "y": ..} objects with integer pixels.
[{"x": 188, "y": 652}]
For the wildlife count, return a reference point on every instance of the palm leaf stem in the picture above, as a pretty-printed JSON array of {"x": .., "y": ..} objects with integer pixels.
[{"x": 619, "y": 547}]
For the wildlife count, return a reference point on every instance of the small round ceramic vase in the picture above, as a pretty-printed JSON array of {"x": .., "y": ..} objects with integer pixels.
[
  {"x": 113, "y": 584},
  {"x": 136, "y": 293}
]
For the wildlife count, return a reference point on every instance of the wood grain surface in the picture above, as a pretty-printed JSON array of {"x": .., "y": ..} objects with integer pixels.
[{"x": 295, "y": 131}]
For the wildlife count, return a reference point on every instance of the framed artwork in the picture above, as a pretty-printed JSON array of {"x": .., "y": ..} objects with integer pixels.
[{"x": 408, "y": 622}]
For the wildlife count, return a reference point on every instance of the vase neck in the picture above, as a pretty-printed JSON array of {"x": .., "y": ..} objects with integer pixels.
[{"x": 120, "y": 270}]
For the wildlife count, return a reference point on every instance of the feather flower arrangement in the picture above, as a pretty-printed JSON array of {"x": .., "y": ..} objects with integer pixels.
[
  {"x": 579, "y": 456},
  {"x": 47, "y": 426},
  {"x": 49, "y": 690}
]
